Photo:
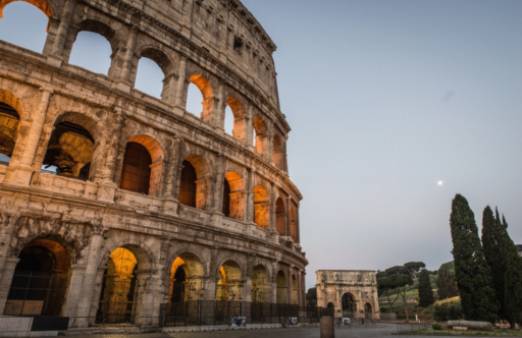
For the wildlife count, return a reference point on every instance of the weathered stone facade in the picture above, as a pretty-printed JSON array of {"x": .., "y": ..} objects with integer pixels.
[
  {"x": 352, "y": 293},
  {"x": 139, "y": 187}
]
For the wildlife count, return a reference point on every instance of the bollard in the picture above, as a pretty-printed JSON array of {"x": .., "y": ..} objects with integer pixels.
[{"x": 327, "y": 327}]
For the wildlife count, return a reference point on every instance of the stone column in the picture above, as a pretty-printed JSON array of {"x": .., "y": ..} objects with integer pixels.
[
  {"x": 122, "y": 62},
  {"x": 83, "y": 309},
  {"x": 220, "y": 104},
  {"x": 168, "y": 93},
  {"x": 180, "y": 99},
  {"x": 217, "y": 204},
  {"x": 58, "y": 31},
  {"x": 6, "y": 277},
  {"x": 148, "y": 298},
  {"x": 249, "y": 214},
  {"x": 74, "y": 292},
  {"x": 20, "y": 169},
  {"x": 170, "y": 205},
  {"x": 249, "y": 128},
  {"x": 7, "y": 223},
  {"x": 270, "y": 142},
  {"x": 272, "y": 206}
]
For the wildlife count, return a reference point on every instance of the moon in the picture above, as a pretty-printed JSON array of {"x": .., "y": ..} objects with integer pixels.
[{"x": 440, "y": 183}]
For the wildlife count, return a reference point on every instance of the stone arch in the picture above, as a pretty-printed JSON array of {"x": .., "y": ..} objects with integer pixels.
[
  {"x": 41, "y": 278},
  {"x": 368, "y": 311},
  {"x": 281, "y": 217},
  {"x": 279, "y": 152},
  {"x": 9, "y": 121},
  {"x": 186, "y": 275},
  {"x": 45, "y": 6},
  {"x": 237, "y": 108},
  {"x": 261, "y": 206},
  {"x": 121, "y": 283},
  {"x": 193, "y": 187},
  {"x": 261, "y": 287},
  {"x": 294, "y": 289},
  {"x": 348, "y": 305},
  {"x": 161, "y": 59},
  {"x": 260, "y": 134},
  {"x": 205, "y": 87},
  {"x": 229, "y": 281},
  {"x": 281, "y": 288},
  {"x": 103, "y": 29},
  {"x": 142, "y": 165},
  {"x": 233, "y": 195},
  {"x": 72, "y": 145}
]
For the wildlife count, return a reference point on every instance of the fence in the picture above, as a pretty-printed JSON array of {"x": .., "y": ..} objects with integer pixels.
[{"x": 202, "y": 312}]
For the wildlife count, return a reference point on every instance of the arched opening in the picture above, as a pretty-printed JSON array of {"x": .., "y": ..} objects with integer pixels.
[
  {"x": 349, "y": 306},
  {"x": 142, "y": 165},
  {"x": 92, "y": 47},
  {"x": 233, "y": 196},
  {"x": 260, "y": 135},
  {"x": 9, "y": 120},
  {"x": 261, "y": 206},
  {"x": 149, "y": 77},
  {"x": 193, "y": 187},
  {"x": 14, "y": 19},
  {"x": 330, "y": 309},
  {"x": 135, "y": 175},
  {"x": 118, "y": 294},
  {"x": 295, "y": 290},
  {"x": 186, "y": 283},
  {"x": 278, "y": 153},
  {"x": 199, "y": 97},
  {"x": 70, "y": 150},
  {"x": 280, "y": 217},
  {"x": 235, "y": 119},
  {"x": 188, "y": 185},
  {"x": 368, "y": 312},
  {"x": 260, "y": 294},
  {"x": 40, "y": 279},
  {"x": 282, "y": 288},
  {"x": 228, "y": 291}
]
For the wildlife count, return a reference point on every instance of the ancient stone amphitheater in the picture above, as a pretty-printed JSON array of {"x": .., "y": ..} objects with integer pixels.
[{"x": 119, "y": 207}]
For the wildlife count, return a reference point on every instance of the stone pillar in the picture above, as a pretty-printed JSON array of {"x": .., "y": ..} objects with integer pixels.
[
  {"x": 171, "y": 176},
  {"x": 74, "y": 292},
  {"x": 82, "y": 317},
  {"x": 7, "y": 223},
  {"x": 249, "y": 128},
  {"x": 20, "y": 169},
  {"x": 217, "y": 204},
  {"x": 168, "y": 93},
  {"x": 148, "y": 298},
  {"x": 6, "y": 277},
  {"x": 180, "y": 99},
  {"x": 220, "y": 104},
  {"x": 57, "y": 34},
  {"x": 270, "y": 142},
  {"x": 249, "y": 214},
  {"x": 272, "y": 205},
  {"x": 122, "y": 61}
]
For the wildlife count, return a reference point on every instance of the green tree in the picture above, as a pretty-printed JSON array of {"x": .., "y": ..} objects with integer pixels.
[
  {"x": 496, "y": 255},
  {"x": 513, "y": 277},
  {"x": 425, "y": 290},
  {"x": 446, "y": 283},
  {"x": 471, "y": 269}
]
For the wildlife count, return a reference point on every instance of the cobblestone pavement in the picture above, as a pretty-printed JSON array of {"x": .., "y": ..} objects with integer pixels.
[{"x": 373, "y": 331}]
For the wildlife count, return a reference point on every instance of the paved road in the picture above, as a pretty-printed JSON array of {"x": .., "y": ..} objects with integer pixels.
[{"x": 375, "y": 331}]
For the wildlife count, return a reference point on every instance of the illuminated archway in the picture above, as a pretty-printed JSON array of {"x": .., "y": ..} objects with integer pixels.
[
  {"x": 261, "y": 206},
  {"x": 282, "y": 288},
  {"x": 294, "y": 294},
  {"x": 349, "y": 306},
  {"x": 199, "y": 88},
  {"x": 40, "y": 279},
  {"x": 9, "y": 120},
  {"x": 278, "y": 152},
  {"x": 193, "y": 186},
  {"x": 281, "y": 217},
  {"x": 260, "y": 285},
  {"x": 235, "y": 119},
  {"x": 233, "y": 195},
  {"x": 260, "y": 135}
]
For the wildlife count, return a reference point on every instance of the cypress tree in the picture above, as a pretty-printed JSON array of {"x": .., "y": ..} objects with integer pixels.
[
  {"x": 495, "y": 253},
  {"x": 425, "y": 290},
  {"x": 446, "y": 283},
  {"x": 512, "y": 278},
  {"x": 471, "y": 269}
]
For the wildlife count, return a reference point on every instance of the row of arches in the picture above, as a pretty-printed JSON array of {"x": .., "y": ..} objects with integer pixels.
[
  {"x": 94, "y": 45},
  {"x": 42, "y": 277},
  {"x": 75, "y": 144}
]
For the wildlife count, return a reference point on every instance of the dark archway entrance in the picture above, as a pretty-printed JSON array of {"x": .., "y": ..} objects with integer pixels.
[
  {"x": 348, "y": 305},
  {"x": 368, "y": 313},
  {"x": 40, "y": 280}
]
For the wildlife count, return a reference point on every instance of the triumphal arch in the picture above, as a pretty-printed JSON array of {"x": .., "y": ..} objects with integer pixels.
[
  {"x": 120, "y": 207},
  {"x": 351, "y": 293}
]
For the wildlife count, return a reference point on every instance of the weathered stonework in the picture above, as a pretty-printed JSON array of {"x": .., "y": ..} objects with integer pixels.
[
  {"x": 352, "y": 293},
  {"x": 91, "y": 206}
]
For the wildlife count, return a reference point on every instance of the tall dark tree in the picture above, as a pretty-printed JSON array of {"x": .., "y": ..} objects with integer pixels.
[
  {"x": 512, "y": 278},
  {"x": 471, "y": 269},
  {"x": 425, "y": 290},
  {"x": 446, "y": 283}
]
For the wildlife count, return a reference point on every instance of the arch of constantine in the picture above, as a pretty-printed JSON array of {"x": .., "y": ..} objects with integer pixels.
[
  {"x": 120, "y": 207},
  {"x": 351, "y": 293}
]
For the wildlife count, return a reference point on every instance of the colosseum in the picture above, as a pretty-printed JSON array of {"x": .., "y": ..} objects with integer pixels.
[{"x": 120, "y": 207}]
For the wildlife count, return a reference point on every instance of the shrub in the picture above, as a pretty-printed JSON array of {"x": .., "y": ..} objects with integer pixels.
[
  {"x": 436, "y": 327},
  {"x": 446, "y": 312}
]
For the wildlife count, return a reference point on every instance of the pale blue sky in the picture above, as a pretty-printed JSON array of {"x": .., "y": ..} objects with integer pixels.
[{"x": 385, "y": 98}]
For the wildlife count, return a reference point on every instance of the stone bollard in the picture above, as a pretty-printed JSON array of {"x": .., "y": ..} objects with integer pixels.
[{"x": 327, "y": 327}]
